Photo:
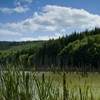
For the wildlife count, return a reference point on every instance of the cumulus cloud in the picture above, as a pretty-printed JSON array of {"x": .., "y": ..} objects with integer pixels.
[
  {"x": 18, "y": 9},
  {"x": 56, "y": 19},
  {"x": 53, "y": 18}
]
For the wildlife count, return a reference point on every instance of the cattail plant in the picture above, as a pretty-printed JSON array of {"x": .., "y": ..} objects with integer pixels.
[{"x": 64, "y": 87}]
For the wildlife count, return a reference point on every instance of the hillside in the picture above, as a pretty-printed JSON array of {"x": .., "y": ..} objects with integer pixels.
[
  {"x": 85, "y": 52},
  {"x": 70, "y": 52},
  {"x": 4, "y": 45}
]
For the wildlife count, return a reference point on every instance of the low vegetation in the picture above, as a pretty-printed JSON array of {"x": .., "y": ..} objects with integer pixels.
[
  {"x": 22, "y": 85},
  {"x": 77, "y": 53}
]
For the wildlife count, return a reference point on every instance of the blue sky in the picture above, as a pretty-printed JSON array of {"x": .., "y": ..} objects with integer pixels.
[{"x": 22, "y": 20}]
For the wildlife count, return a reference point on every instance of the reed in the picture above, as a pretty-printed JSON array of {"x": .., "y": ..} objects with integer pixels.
[{"x": 22, "y": 85}]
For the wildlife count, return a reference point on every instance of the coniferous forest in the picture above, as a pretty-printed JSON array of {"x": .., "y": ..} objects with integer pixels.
[{"x": 72, "y": 52}]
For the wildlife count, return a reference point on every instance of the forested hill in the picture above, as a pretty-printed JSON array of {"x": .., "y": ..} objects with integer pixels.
[
  {"x": 4, "y": 45},
  {"x": 78, "y": 50}
]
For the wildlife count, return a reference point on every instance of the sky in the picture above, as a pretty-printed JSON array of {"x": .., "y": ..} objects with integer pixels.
[{"x": 28, "y": 20}]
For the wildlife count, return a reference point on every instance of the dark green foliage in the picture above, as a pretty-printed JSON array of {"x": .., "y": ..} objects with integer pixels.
[
  {"x": 78, "y": 49},
  {"x": 83, "y": 52},
  {"x": 4, "y": 45}
]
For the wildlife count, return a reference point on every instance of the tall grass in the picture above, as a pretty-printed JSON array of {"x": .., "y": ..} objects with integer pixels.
[{"x": 22, "y": 85}]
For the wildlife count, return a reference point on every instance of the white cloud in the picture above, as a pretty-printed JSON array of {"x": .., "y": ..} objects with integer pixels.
[
  {"x": 63, "y": 30},
  {"x": 26, "y": 39},
  {"x": 8, "y": 32},
  {"x": 19, "y": 2},
  {"x": 19, "y": 9},
  {"x": 56, "y": 19},
  {"x": 55, "y": 36}
]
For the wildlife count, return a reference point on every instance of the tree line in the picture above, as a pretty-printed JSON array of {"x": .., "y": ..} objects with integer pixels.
[{"x": 78, "y": 50}]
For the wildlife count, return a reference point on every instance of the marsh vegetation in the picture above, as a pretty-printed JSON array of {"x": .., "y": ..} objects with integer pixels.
[
  {"x": 32, "y": 85},
  {"x": 67, "y": 68}
]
